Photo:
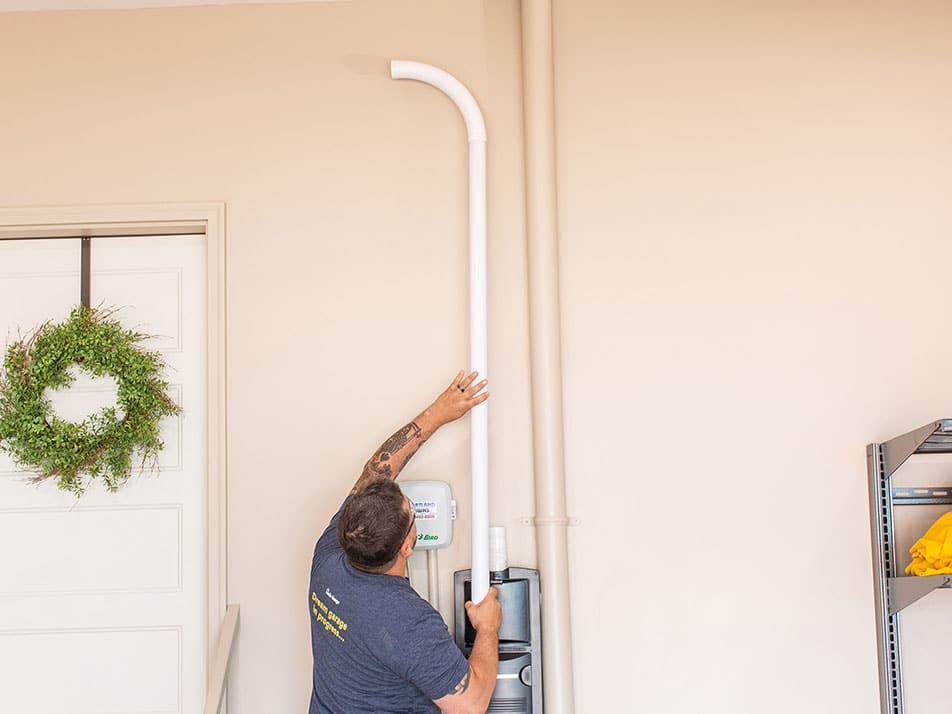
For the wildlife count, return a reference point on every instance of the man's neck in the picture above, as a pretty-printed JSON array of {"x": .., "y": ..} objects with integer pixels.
[{"x": 399, "y": 568}]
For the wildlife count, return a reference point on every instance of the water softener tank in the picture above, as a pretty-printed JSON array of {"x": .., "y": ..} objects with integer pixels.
[{"x": 519, "y": 681}]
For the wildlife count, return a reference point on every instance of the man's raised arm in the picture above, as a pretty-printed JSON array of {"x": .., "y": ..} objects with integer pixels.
[{"x": 388, "y": 461}]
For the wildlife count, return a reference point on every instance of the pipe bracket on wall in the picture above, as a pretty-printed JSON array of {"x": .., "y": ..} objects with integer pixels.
[
  {"x": 533, "y": 521},
  {"x": 478, "y": 337}
]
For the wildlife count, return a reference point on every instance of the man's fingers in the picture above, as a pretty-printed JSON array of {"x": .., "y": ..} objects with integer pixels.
[
  {"x": 456, "y": 380},
  {"x": 467, "y": 605},
  {"x": 470, "y": 378},
  {"x": 474, "y": 388},
  {"x": 479, "y": 398}
]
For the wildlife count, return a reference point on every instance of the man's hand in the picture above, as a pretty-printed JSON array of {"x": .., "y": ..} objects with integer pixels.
[
  {"x": 463, "y": 394},
  {"x": 487, "y": 615}
]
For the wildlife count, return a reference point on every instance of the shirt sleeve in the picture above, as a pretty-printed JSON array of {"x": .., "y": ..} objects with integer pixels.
[
  {"x": 328, "y": 542},
  {"x": 430, "y": 659}
]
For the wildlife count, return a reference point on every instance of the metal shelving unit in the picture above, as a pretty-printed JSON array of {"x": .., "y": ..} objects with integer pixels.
[{"x": 894, "y": 591}]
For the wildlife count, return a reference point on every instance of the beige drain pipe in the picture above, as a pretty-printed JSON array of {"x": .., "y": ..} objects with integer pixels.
[{"x": 551, "y": 520}]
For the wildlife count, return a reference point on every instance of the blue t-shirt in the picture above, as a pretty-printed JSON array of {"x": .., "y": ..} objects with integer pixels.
[{"x": 379, "y": 648}]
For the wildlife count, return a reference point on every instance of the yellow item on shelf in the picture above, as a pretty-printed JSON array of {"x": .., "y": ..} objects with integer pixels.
[{"x": 932, "y": 554}]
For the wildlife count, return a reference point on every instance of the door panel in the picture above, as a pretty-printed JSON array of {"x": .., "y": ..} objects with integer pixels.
[{"x": 103, "y": 598}]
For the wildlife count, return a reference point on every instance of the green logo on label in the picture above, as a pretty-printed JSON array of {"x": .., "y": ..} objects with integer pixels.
[{"x": 427, "y": 536}]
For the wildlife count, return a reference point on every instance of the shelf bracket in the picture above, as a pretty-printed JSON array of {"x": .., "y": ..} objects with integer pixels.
[
  {"x": 900, "y": 448},
  {"x": 905, "y": 591}
]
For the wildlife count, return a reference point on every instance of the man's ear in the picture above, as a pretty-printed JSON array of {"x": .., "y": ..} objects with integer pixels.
[{"x": 406, "y": 550}]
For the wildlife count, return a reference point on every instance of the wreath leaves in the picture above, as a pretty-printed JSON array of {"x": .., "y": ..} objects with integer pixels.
[{"x": 103, "y": 445}]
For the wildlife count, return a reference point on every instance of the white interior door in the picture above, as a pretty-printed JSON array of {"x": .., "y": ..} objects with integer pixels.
[{"x": 103, "y": 598}]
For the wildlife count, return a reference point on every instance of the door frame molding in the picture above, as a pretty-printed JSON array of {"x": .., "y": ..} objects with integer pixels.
[{"x": 151, "y": 219}]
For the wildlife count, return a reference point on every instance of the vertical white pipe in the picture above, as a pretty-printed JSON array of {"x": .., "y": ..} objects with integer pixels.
[
  {"x": 433, "y": 578},
  {"x": 478, "y": 336},
  {"x": 479, "y": 358},
  {"x": 546, "y": 352}
]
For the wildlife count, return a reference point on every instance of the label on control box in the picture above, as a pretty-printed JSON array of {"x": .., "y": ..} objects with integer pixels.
[{"x": 426, "y": 510}]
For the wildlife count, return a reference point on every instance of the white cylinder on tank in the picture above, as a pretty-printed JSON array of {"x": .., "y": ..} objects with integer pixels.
[{"x": 498, "y": 557}]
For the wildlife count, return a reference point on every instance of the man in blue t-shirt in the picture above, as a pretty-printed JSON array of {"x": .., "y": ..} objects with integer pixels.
[{"x": 379, "y": 648}]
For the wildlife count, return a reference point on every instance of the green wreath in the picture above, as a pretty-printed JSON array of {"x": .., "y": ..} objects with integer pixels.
[{"x": 104, "y": 444}]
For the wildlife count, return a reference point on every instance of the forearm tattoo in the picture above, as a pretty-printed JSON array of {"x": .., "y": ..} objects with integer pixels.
[
  {"x": 463, "y": 684},
  {"x": 387, "y": 462}
]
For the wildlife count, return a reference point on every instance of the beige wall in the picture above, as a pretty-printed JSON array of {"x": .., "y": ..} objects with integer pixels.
[{"x": 755, "y": 212}]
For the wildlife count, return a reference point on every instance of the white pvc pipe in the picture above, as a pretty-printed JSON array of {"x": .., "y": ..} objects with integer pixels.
[
  {"x": 433, "y": 578},
  {"x": 545, "y": 342},
  {"x": 478, "y": 339}
]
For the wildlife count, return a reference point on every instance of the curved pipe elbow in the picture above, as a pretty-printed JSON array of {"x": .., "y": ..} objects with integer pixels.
[{"x": 450, "y": 86}]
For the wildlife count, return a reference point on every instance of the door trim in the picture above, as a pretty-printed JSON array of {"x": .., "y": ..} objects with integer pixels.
[{"x": 151, "y": 219}]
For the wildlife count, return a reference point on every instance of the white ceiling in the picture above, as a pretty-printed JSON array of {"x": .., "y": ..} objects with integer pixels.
[{"x": 40, "y": 5}]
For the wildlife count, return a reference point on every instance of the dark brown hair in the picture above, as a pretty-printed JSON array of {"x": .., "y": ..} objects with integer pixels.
[{"x": 373, "y": 525}]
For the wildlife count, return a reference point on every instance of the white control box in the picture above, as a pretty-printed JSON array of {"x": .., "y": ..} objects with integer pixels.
[{"x": 435, "y": 512}]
